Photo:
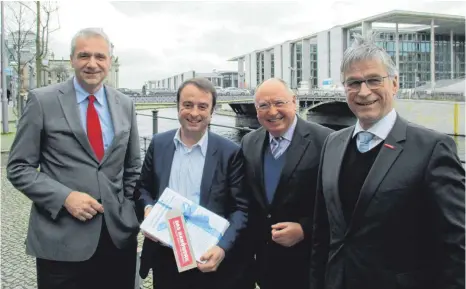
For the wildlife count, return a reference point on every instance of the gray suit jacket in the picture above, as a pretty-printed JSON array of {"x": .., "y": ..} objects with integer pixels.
[
  {"x": 407, "y": 227},
  {"x": 50, "y": 137}
]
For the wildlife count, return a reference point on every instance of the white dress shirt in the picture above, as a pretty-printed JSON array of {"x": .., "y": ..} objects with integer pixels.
[{"x": 380, "y": 129}]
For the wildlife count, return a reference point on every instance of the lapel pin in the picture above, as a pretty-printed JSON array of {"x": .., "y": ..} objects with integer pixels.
[{"x": 389, "y": 146}]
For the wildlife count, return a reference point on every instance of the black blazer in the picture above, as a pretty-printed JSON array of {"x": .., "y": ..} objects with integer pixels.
[
  {"x": 407, "y": 228},
  {"x": 221, "y": 188},
  {"x": 293, "y": 200}
]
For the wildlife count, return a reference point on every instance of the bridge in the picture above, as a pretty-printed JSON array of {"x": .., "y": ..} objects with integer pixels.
[
  {"x": 326, "y": 107},
  {"x": 444, "y": 112}
]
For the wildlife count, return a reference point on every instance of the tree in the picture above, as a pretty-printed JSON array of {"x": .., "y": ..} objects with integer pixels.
[
  {"x": 43, "y": 33},
  {"x": 144, "y": 90},
  {"x": 19, "y": 25},
  {"x": 21, "y": 19},
  {"x": 61, "y": 71}
]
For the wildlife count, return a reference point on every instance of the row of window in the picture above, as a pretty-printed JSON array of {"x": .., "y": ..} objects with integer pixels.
[
  {"x": 414, "y": 57},
  {"x": 415, "y": 36}
]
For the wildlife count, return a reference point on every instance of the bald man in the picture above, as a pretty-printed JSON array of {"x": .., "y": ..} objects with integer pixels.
[{"x": 282, "y": 161}]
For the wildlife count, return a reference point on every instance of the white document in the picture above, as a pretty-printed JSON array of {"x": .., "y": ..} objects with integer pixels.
[{"x": 205, "y": 228}]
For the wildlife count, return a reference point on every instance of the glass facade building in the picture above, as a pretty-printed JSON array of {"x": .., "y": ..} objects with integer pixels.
[
  {"x": 230, "y": 79},
  {"x": 314, "y": 81},
  {"x": 414, "y": 53},
  {"x": 414, "y": 57}
]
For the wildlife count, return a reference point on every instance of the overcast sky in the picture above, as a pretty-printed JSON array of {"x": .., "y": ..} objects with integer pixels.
[{"x": 154, "y": 40}]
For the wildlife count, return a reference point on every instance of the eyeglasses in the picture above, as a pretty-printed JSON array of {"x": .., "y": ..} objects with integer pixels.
[
  {"x": 371, "y": 83},
  {"x": 264, "y": 106}
]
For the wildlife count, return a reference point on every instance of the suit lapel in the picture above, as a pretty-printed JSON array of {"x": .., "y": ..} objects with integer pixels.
[
  {"x": 164, "y": 162},
  {"x": 69, "y": 105},
  {"x": 382, "y": 164},
  {"x": 294, "y": 153},
  {"x": 209, "y": 169},
  {"x": 332, "y": 176},
  {"x": 258, "y": 157},
  {"x": 116, "y": 115}
]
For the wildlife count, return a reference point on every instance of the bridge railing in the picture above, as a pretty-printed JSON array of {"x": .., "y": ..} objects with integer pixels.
[
  {"x": 172, "y": 98},
  {"x": 316, "y": 94},
  {"x": 145, "y": 140},
  {"x": 430, "y": 95}
]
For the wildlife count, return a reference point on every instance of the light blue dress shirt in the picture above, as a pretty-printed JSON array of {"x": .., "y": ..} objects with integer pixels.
[
  {"x": 286, "y": 138},
  {"x": 380, "y": 129},
  {"x": 187, "y": 167},
  {"x": 101, "y": 106}
]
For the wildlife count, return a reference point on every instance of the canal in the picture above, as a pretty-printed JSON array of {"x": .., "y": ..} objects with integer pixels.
[{"x": 145, "y": 127}]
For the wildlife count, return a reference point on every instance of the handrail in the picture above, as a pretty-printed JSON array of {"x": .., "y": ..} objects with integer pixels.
[{"x": 214, "y": 124}]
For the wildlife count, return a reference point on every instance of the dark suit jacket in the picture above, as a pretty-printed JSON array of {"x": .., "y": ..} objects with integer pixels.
[
  {"x": 50, "y": 136},
  {"x": 407, "y": 228},
  {"x": 221, "y": 188},
  {"x": 293, "y": 200}
]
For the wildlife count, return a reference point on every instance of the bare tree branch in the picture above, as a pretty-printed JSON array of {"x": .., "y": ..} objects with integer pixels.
[
  {"x": 19, "y": 24},
  {"x": 48, "y": 9},
  {"x": 20, "y": 20},
  {"x": 23, "y": 4}
]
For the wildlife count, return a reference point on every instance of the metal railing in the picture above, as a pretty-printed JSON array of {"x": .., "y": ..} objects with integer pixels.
[{"x": 155, "y": 116}]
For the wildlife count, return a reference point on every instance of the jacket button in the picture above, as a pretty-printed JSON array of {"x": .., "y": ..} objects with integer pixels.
[{"x": 269, "y": 216}]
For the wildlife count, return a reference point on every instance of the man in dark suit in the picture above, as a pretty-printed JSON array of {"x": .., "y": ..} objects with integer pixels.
[
  {"x": 207, "y": 169},
  {"x": 281, "y": 160},
  {"x": 390, "y": 198},
  {"x": 83, "y": 137}
]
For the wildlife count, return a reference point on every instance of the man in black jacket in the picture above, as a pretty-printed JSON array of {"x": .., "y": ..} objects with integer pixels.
[{"x": 281, "y": 163}]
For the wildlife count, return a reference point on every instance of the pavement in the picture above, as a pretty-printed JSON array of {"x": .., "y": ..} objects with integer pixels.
[
  {"x": 7, "y": 138},
  {"x": 18, "y": 270}
]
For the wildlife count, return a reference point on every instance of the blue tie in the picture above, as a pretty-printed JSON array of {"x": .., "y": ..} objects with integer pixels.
[
  {"x": 364, "y": 141},
  {"x": 275, "y": 147}
]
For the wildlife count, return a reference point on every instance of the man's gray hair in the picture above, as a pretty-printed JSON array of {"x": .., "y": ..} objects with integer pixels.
[
  {"x": 365, "y": 48},
  {"x": 90, "y": 32}
]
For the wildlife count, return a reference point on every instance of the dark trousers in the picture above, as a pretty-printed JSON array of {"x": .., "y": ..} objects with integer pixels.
[
  {"x": 166, "y": 275},
  {"x": 109, "y": 267},
  {"x": 277, "y": 272}
]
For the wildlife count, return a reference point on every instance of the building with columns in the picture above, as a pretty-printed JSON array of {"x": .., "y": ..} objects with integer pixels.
[{"x": 424, "y": 46}]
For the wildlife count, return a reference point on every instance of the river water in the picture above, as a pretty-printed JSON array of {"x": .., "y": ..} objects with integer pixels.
[{"x": 144, "y": 119}]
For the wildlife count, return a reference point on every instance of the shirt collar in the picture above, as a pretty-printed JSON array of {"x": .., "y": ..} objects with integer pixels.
[
  {"x": 288, "y": 135},
  {"x": 382, "y": 128},
  {"x": 82, "y": 94},
  {"x": 202, "y": 143}
]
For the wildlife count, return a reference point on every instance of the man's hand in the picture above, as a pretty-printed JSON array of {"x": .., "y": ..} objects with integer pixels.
[
  {"x": 146, "y": 213},
  {"x": 287, "y": 234},
  {"x": 82, "y": 206},
  {"x": 214, "y": 256}
]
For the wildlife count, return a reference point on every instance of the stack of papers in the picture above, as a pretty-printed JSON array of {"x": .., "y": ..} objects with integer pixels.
[{"x": 205, "y": 228}]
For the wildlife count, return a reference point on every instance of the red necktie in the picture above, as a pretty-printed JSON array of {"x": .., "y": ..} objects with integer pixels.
[{"x": 94, "y": 131}]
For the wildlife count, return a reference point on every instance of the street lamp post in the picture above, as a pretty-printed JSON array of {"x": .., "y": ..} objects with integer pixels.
[{"x": 3, "y": 72}]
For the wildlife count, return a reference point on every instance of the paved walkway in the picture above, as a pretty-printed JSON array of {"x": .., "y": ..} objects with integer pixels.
[
  {"x": 7, "y": 139},
  {"x": 18, "y": 270}
]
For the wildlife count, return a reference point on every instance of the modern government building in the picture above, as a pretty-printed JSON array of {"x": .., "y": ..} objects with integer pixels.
[{"x": 424, "y": 46}]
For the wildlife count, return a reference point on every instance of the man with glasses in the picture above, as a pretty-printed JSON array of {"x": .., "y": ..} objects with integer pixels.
[
  {"x": 389, "y": 210},
  {"x": 281, "y": 162}
]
